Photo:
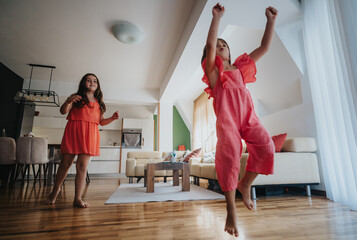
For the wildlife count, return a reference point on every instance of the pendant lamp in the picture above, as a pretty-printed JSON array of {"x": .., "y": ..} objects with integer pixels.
[{"x": 30, "y": 96}]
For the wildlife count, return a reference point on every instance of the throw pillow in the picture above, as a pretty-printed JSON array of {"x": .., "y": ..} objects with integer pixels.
[
  {"x": 209, "y": 157},
  {"x": 194, "y": 153},
  {"x": 279, "y": 141},
  {"x": 168, "y": 157},
  {"x": 186, "y": 154}
]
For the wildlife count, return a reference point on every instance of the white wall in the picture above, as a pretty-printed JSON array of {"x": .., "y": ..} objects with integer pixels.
[{"x": 165, "y": 127}]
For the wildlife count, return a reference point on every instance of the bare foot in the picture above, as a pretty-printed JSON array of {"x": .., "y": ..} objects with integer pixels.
[
  {"x": 53, "y": 196},
  {"x": 245, "y": 191},
  {"x": 231, "y": 224},
  {"x": 79, "y": 203}
]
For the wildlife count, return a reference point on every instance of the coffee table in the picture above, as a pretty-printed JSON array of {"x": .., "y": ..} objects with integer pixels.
[{"x": 149, "y": 174}]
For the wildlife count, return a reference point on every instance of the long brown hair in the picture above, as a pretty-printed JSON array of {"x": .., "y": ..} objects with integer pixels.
[
  {"x": 204, "y": 55},
  {"x": 82, "y": 91}
]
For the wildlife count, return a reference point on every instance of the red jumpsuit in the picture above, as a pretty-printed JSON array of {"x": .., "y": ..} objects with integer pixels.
[{"x": 236, "y": 120}]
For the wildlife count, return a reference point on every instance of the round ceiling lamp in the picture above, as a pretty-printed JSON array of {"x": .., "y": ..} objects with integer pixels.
[{"x": 127, "y": 33}]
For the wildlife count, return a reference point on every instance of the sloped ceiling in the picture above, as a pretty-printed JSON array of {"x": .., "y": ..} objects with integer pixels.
[{"x": 76, "y": 37}]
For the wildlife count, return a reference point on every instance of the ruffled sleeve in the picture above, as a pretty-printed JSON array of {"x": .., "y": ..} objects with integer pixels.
[
  {"x": 246, "y": 65},
  {"x": 219, "y": 64}
]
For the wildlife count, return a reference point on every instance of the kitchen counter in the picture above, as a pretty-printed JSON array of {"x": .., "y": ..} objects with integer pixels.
[{"x": 114, "y": 147}]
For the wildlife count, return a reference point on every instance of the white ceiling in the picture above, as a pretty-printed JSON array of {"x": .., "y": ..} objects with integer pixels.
[{"x": 76, "y": 37}]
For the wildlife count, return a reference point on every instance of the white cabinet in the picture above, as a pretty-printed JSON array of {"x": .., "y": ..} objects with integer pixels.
[
  {"x": 148, "y": 134},
  {"x": 107, "y": 162}
]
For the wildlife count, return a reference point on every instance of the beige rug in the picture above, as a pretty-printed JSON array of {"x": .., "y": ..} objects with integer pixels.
[{"x": 136, "y": 193}]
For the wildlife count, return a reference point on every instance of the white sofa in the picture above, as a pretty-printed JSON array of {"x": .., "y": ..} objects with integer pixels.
[{"x": 296, "y": 164}]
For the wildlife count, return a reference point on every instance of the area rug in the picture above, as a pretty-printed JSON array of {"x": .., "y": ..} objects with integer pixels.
[{"x": 136, "y": 193}]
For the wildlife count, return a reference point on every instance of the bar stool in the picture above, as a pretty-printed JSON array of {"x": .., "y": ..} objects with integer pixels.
[
  {"x": 31, "y": 151},
  {"x": 7, "y": 159}
]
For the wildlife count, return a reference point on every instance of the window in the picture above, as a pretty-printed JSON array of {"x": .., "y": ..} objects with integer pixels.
[{"x": 204, "y": 124}]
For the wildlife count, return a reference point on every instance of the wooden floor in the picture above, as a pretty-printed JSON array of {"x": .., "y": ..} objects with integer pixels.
[{"x": 295, "y": 216}]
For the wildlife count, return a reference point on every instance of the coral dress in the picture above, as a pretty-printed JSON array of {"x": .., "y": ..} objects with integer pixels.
[
  {"x": 81, "y": 135},
  {"x": 236, "y": 120}
]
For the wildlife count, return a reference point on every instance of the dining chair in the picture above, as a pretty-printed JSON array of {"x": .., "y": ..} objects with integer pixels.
[
  {"x": 7, "y": 159},
  {"x": 31, "y": 151}
]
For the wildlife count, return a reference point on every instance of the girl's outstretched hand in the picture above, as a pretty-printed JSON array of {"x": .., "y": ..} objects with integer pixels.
[
  {"x": 74, "y": 98},
  {"x": 218, "y": 10},
  {"x": 115, "y": 115},
  {"x": 271, "y": 13}
]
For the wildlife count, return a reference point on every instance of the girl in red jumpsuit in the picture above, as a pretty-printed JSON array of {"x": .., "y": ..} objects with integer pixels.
[{"x": 236, "y": 119}]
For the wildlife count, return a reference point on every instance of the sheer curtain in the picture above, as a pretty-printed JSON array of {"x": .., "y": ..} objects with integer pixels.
[
  {"x": 204, "y": 124},
  {"x": 329, "y": 33}
]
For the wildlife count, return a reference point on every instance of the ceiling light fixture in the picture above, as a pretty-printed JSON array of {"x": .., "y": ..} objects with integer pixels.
[
  {"x": 38, "y": 97},
  {"x": 127, "y": 33}
]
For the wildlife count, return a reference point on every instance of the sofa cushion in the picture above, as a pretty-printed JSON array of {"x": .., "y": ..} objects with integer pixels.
[
  {"x": 209, "y": 171},
  {"x": 148, "y": 160},
  {"x": 279, "y": 141},
  {"x": 148, "y": 154},
  {"x": 299, "y": 144},
  {"x": 195, "y": 169},
  {"x": 291, "y": 168}
]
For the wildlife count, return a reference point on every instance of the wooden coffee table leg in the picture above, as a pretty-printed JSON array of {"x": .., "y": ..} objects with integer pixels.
[
  {"x": 186, "y": 177},
  {"x": 150, "y": 177},
  {"x": 145, "y": 176},
  {"x": 175, "y": 175}
]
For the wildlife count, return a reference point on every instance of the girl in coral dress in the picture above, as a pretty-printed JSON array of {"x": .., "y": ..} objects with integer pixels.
[
  {"x": 81, "y": 135},
  {"x": 236, "y": 119}
]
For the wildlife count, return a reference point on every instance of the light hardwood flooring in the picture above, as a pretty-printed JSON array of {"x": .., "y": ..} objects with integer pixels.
[{"x": 23, "y": 215}]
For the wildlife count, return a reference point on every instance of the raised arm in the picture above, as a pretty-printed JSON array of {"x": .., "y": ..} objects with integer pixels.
[
  {"x": 271, "y": 13},
  {"x": 105, "y": 121},
  {"x": 68, "y": 104},
  {"x": 211, "y": 44}
]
